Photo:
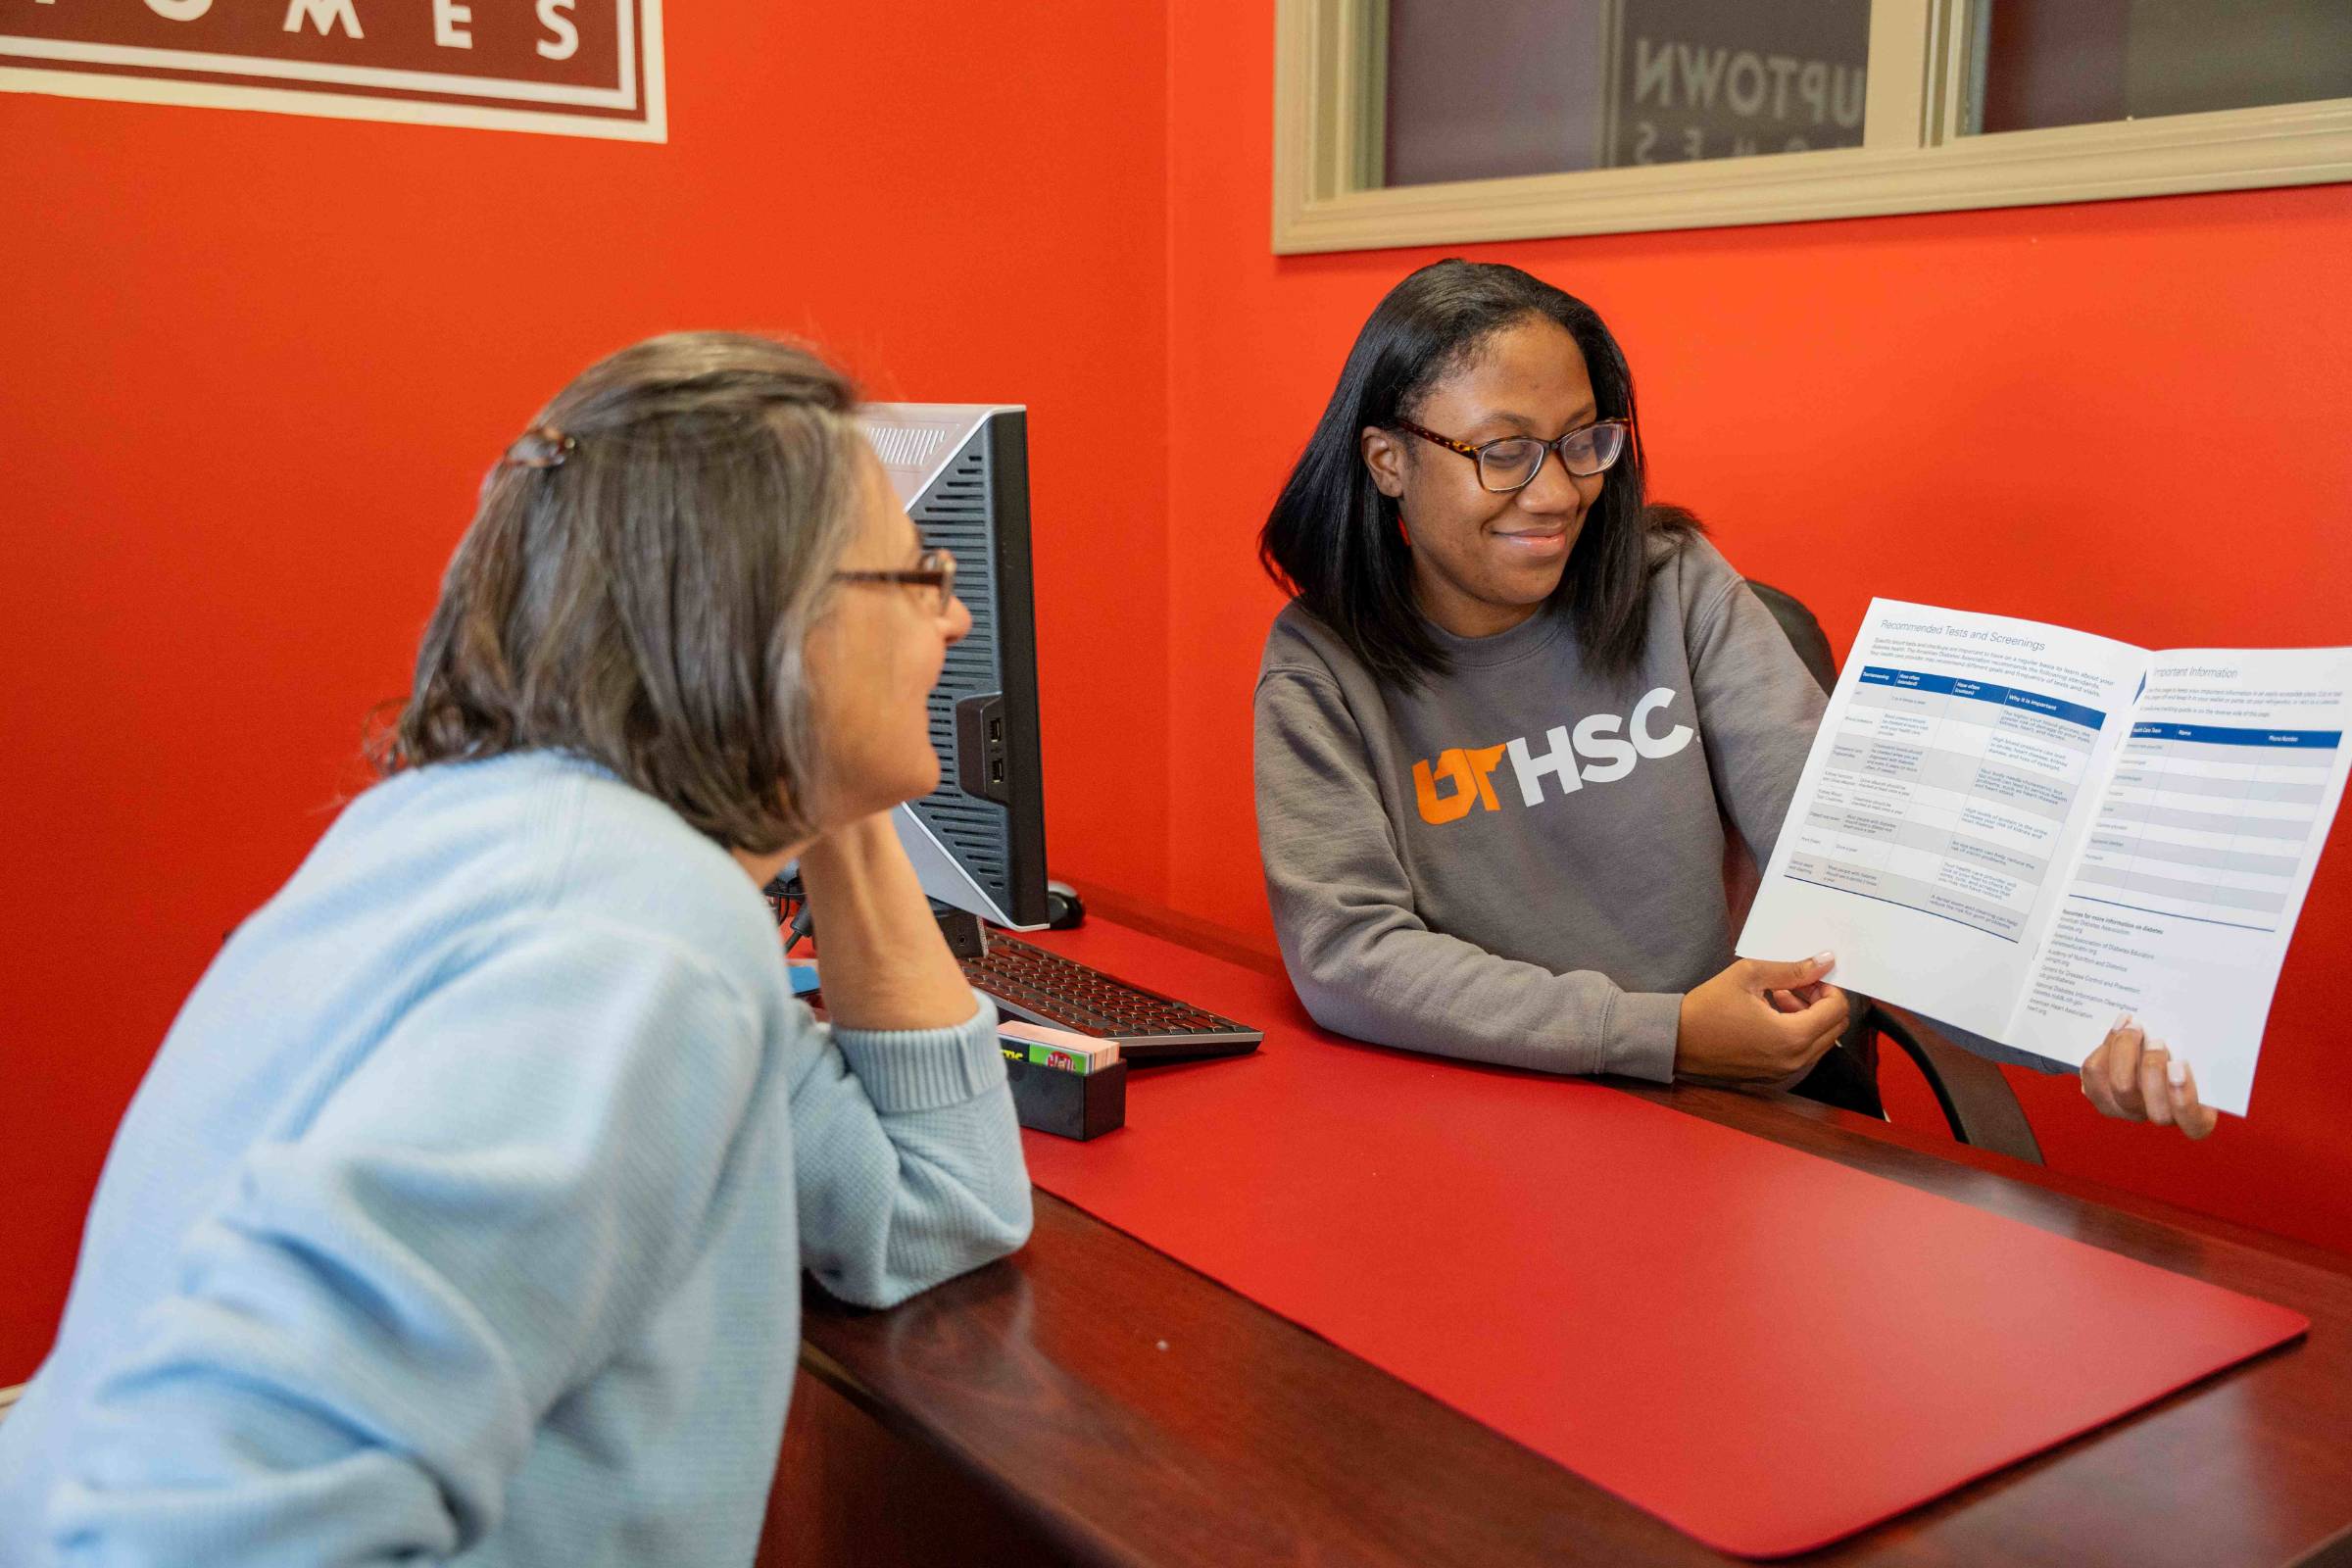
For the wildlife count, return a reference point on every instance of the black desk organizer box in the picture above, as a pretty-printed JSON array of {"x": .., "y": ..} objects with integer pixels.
[
  {"x": 1069, "y": 1105},
  {"x": 1050, "y": 1100}
]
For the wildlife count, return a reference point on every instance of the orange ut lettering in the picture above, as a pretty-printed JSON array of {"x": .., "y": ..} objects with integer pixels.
[{"x": 1468, "y": 768}]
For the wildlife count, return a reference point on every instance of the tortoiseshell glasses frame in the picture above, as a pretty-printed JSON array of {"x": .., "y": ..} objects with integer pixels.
[
  {"x": 1513, "y": 462},
  {"x": 934, "y": 569}
]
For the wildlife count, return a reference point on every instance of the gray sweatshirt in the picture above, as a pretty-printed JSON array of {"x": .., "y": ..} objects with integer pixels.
[{"x": 1524, "y": 861}]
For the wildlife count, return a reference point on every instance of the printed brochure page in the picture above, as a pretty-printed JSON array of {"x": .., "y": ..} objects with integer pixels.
[
  {"x": 2194, "y": 871},
  {"x": 2023, "y": 831},
  {"x": 1944, "y": 795}
]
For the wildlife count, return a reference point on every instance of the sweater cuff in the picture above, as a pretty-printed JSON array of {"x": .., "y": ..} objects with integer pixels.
[
  {"x": 926, "y": 1070},
  {"x": 1640, "y": 1035}
]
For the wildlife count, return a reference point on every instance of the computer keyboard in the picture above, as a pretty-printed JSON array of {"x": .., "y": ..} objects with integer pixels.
[{"x": 1047, "y": 988}]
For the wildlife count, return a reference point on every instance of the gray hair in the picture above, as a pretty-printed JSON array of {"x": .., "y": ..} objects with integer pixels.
[{"x": 640, "y": 580}]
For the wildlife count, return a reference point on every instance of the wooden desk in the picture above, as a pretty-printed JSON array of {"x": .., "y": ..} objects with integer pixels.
[{"x": 1092, "y": 1400}]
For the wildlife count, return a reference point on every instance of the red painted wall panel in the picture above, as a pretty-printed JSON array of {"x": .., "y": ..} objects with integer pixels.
[
  {"x": 256, "y": 364},
  {"x": 2123, "y": 416}
]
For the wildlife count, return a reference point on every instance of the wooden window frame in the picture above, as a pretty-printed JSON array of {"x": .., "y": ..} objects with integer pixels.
[{"x": 1330, "y": 74}]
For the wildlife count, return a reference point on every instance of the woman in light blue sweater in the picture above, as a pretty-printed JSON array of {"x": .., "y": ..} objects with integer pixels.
[{"x": 461, "y": 1215}]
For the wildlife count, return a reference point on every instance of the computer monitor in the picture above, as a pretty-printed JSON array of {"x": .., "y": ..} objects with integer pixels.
[{"x": 978, "y": 841}]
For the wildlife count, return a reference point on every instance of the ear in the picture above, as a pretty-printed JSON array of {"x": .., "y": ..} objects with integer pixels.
[{"x": 1383, "y": 460}]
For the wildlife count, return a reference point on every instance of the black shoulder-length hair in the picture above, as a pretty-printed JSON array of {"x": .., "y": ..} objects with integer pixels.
[{"x": 1332, "y": 539}]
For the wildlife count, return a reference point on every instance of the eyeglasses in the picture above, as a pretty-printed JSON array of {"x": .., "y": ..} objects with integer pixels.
[
  {"x": 1512, "y": 462},
  {"x": 934, "y": 569}
]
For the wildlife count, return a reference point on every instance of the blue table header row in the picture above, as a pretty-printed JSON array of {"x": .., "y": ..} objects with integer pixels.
[
  {"x": 2218, "y": 735},
  {"x": 1984, "y": 692}
]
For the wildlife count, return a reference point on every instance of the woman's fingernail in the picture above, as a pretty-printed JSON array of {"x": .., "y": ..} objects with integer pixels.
[
  {"x": 1825, "y": 957},
  {"x": 2122, "y": 1020},
  {"x": 2177, "y": 1071}
]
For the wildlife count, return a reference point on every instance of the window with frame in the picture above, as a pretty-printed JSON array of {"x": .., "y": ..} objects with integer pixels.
[{"x": 1432, "y": 122}]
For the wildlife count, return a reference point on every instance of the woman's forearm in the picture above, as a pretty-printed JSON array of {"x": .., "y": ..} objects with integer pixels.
[{"x": 884, "y": 961}]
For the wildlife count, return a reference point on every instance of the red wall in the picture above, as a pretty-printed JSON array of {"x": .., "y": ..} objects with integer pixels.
[
  {"x": 2125, "y": 417},
  {"x": 256, "y": 364}
]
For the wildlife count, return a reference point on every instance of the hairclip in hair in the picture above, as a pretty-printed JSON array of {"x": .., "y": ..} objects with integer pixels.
[{"x": 543, "y": 448}]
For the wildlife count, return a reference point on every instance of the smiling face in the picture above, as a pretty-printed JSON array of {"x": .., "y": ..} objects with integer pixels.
[
  {"x": 872, "y": 661},
  {"x": 1484, "y": 563}
]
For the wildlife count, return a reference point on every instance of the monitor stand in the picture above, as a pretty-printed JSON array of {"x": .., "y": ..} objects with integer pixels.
[{"x": 943, "y": 876}]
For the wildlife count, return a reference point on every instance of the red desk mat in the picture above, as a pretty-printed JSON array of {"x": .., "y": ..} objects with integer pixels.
[{"x": 1767, "y": 1349}]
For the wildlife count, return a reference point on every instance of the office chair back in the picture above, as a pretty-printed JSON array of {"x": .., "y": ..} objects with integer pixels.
[{"x": 1804, "y": 633}]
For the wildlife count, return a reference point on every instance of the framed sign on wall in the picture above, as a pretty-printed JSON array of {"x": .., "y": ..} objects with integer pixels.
[{"x": 568, "y": 68}]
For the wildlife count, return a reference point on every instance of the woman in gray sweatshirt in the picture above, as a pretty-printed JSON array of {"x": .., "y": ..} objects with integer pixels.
[{"x": 1511, "y": 711}]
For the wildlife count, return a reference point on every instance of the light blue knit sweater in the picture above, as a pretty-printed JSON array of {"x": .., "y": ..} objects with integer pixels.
[{"x": 461, "y": 1216}]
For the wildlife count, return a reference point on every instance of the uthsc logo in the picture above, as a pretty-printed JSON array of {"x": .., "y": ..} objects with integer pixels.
[{"x": 1468, "y": 771}]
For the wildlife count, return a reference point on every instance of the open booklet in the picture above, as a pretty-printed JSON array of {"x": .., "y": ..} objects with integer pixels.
[{"x": 2025, "y": 830}]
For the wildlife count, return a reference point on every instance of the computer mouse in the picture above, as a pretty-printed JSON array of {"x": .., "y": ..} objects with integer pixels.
[{"x": 1063, "y": 907}]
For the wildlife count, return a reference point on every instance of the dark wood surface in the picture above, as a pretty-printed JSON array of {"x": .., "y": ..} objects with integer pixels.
[{"x": 1092, "y": 1400}]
